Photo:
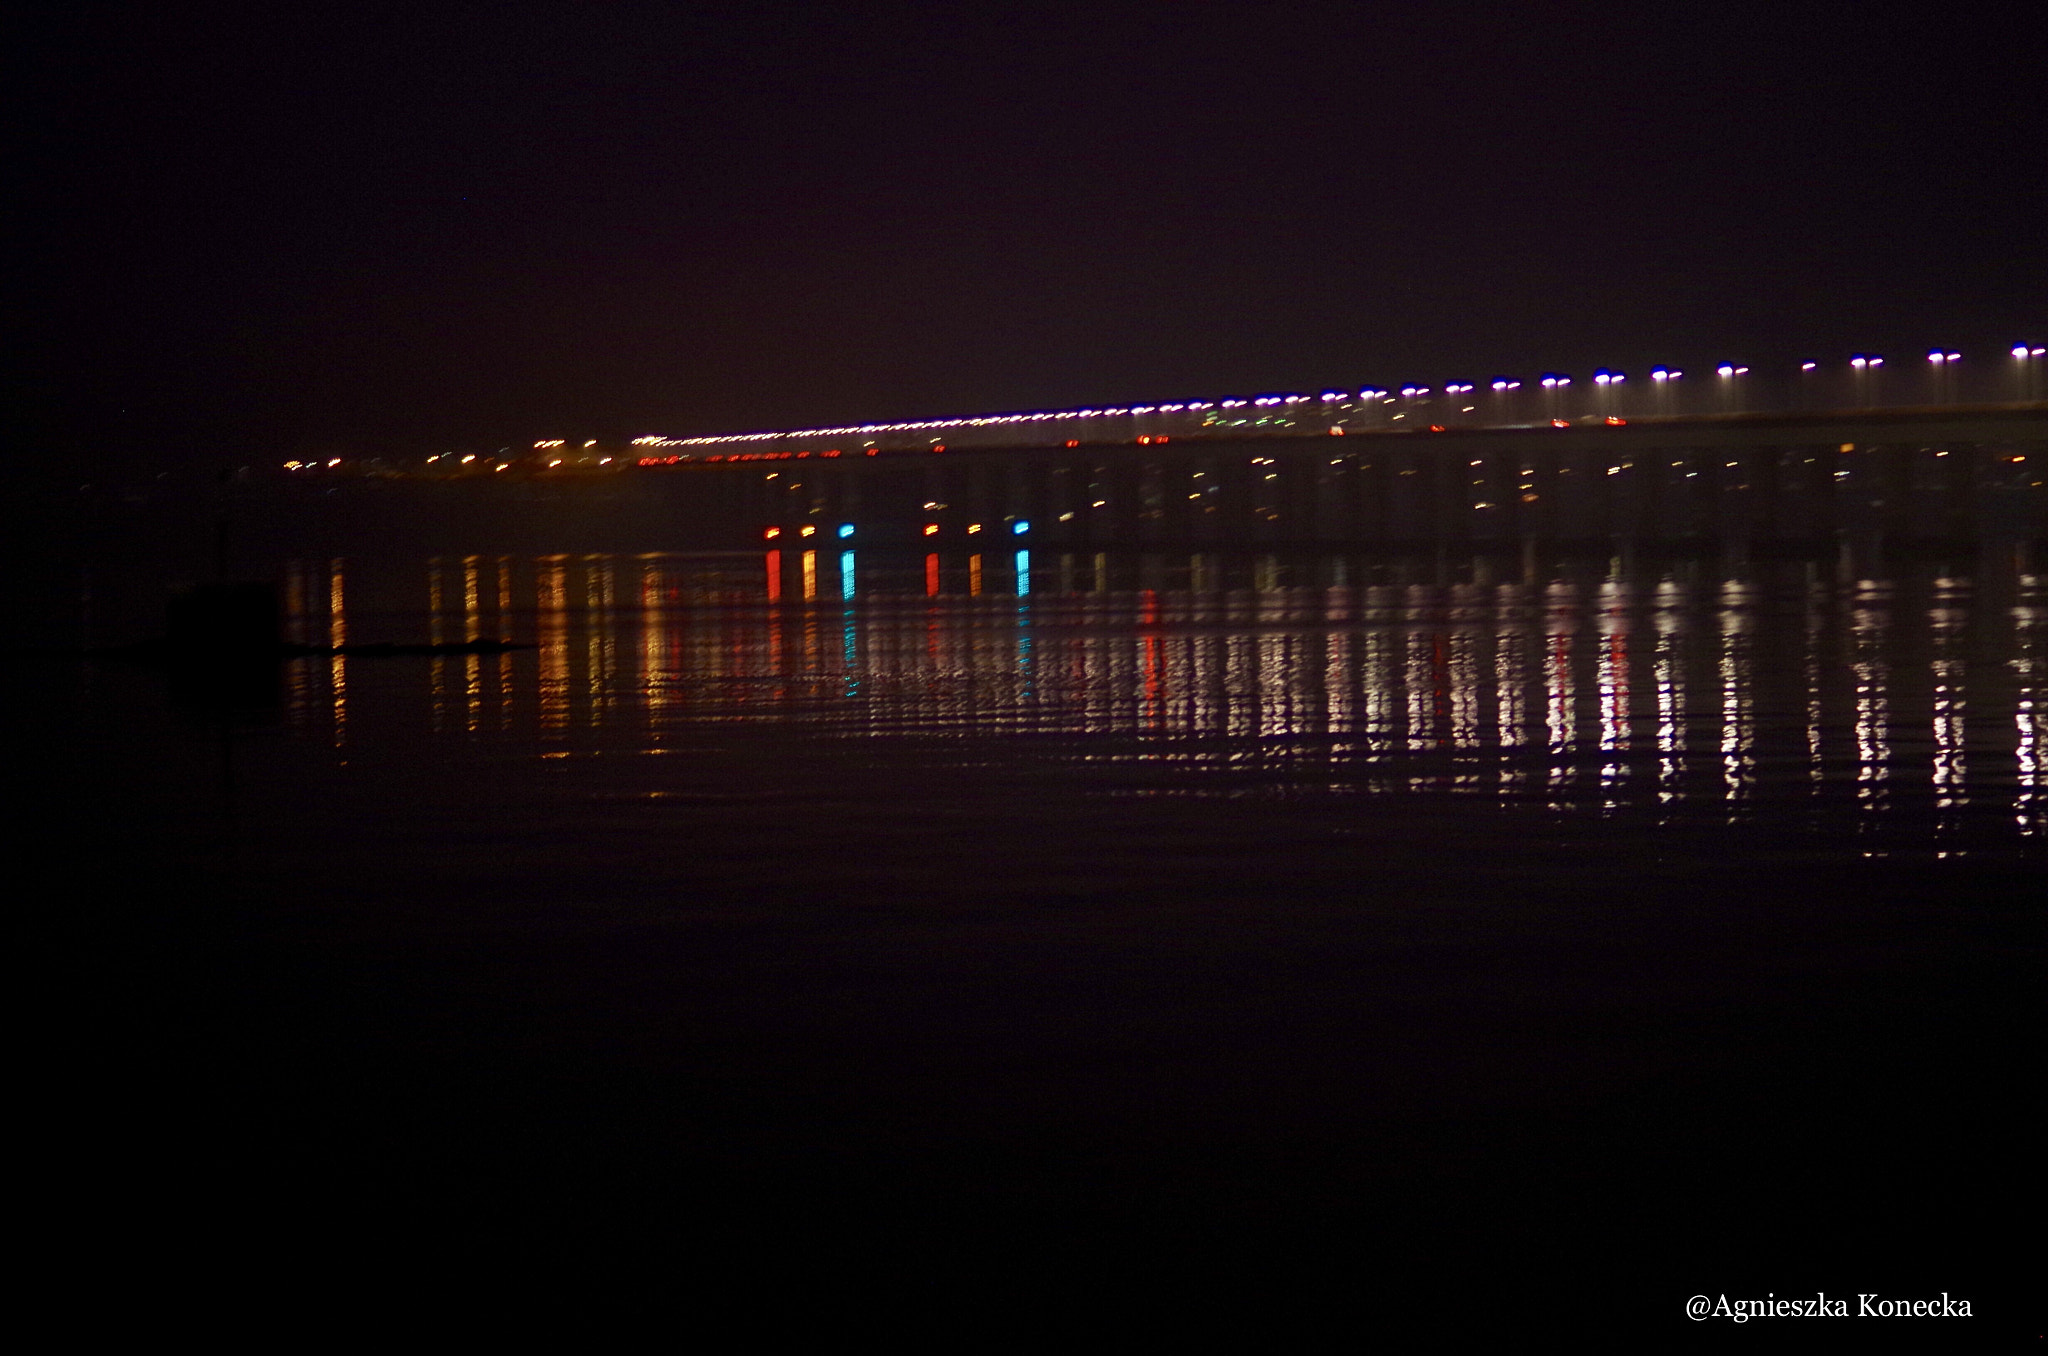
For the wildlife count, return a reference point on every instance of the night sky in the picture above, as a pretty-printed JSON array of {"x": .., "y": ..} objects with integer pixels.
[{"x": 407, "y": 227}]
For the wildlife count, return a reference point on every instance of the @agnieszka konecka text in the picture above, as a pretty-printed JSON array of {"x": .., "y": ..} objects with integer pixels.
[{"x": 1703, "y": 1307}]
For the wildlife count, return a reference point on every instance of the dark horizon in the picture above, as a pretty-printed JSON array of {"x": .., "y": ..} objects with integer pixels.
[{"x": 389, "y": 229}]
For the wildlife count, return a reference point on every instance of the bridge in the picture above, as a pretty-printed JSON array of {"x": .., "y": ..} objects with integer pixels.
[
  {"x": 1850, "y": 457},
  {"x": 1843, "y": 485},
  {"x": 1853, "y": 461}
]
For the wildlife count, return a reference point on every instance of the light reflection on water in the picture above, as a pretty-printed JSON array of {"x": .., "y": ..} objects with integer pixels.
[{"x": 1904, "y": 713}]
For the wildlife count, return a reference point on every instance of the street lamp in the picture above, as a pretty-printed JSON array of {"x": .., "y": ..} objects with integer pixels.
[
  {"x": 1664, "y": 377},
  {"x": 2028, "y": 356},
  {"x": 1503, "y": 398},
  {"x": 1942, "y": 362},
  {"x": 1728, "y": 372},
  {"x": 1608, "y": 382}
]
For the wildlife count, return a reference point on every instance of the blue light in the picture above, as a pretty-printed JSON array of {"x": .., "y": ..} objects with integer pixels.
[
  {"x": 1023, "y": 573},
  {"x": 1021, "y": 526},
  {"x": 846, "y": 529}
]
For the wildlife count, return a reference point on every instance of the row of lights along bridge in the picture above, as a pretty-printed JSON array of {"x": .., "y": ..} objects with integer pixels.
[
  {"x": 1549, "y": 399},
  {"x": 1275, "y": 413}
]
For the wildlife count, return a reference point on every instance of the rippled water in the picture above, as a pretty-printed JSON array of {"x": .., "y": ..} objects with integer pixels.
[
  {"x": 1302, "y": 917},
  {"x": 1893, "y": 715}
]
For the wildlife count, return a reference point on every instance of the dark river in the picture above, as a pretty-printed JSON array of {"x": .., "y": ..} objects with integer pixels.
[{"x": 1211, "y": 938}]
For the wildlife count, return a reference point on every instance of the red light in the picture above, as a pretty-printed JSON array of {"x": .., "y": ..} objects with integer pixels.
[
  {"x": 1162, "y": 439},
  {"x": 799, "y": 456},
  {"x": 833, "y": 453},
  {"x": 1559, "y": 423},
  {"x": 871, "y": 451},
  {"x": 1142, "y": 440},
  {"x": 931, "y": 576},
  {"x": 938, "y": 447},
  {"x": 1436, "y": 428},
  {"x": 1616, "y": 420},
  {"x": 1073, "y": 442}
]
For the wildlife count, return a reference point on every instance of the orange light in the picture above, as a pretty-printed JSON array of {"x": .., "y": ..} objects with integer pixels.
[
  {"x": 931, "y": 576},
  {"x": 931, "y": 529},
  {"x": 772, "y": 533},
  {"x": 808, "y": 531},
  {"x": 1559, "y": 423},
  {"x": 1073, "y": 442},
  {"x": 1616, "y": 420},
  {"x": 938, "y": 447},
  {"x": 1142, "y": 440},
  {"x": 1436, "y": 428},
  {"x": 1162, "y": 439}
]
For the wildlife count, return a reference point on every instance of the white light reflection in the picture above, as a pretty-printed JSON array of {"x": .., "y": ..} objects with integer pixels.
[
  {"x": 1511, "y": 685},
  {"x": 1737, "y": 726},
  {"x": 2030, "y": 805},
  {"x": 1950, "y": 772},
  {"x": 1868, "y": 623},
  {"x": 1614, "y": 695},
  {"x": 1560, "y": 621},
  {"x": 1669, "y": 670}
]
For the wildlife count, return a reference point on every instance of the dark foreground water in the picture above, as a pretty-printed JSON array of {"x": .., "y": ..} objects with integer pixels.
[{"x": 976, "y": 945}]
